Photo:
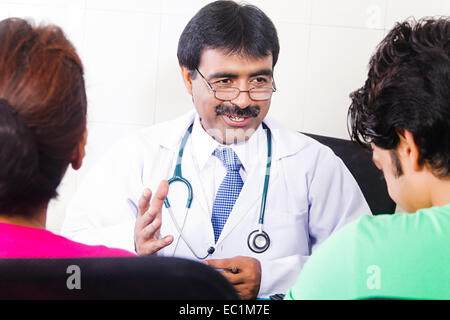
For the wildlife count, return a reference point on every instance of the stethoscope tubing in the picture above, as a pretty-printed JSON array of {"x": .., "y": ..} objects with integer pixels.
[
  {"x": 180, "y": 232},
  {"x": 177, "y": 177}
]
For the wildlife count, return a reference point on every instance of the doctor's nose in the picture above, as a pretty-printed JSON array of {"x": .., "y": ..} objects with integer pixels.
[{"x": 242, "y": 100}]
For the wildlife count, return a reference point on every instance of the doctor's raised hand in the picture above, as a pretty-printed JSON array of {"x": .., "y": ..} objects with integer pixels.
[{"x": 148, "y": 223}]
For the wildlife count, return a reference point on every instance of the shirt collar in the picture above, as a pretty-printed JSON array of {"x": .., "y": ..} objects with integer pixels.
[
  {"x": 249, "y": 152},
  {"x": 202, "y": 143},
  {"x": 284, "y": 142}
]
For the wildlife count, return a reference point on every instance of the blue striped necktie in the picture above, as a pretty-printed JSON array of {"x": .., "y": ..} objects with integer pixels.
[{"x": 228, "y": 191}]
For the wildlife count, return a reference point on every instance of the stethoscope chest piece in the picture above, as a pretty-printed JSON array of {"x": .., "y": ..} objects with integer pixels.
[{"x": 258, "y": 241}]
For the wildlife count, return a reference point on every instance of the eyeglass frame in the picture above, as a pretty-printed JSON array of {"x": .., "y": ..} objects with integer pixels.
[{"x": 273, "y": 88}]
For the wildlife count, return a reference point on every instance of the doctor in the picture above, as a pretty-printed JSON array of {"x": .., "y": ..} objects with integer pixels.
[{"x": 224, "y": 148}]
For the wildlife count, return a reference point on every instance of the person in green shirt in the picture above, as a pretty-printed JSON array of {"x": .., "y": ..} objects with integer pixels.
[{"x": 403, "y": 114}]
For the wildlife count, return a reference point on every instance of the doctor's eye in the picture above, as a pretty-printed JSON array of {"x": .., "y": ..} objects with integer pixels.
[
  {"x": 223, "y": 82},
  {"x": 260, "y": 81}
]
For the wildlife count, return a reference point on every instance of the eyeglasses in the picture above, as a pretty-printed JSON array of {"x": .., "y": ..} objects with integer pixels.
[{"x": 231, "y": 93}]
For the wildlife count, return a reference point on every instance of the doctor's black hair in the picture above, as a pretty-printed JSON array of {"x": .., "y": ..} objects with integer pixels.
[
  {"x": 43, "y": 111},
  {"x": 235, "y": 28},
  {"x": 408, "y": 87}
]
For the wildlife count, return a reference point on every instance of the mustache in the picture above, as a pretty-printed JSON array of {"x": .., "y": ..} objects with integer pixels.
[{"x": 250, "y": 111}]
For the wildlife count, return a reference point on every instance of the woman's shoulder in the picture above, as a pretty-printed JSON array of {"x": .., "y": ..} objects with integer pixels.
[{"x": 27, "y": 242}]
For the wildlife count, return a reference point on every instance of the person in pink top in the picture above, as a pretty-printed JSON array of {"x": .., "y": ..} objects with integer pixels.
[{"x": 42, "y": 131}]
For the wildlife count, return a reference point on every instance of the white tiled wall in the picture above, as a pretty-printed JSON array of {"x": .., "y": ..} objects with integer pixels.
[{"x": 128, "y": 48}]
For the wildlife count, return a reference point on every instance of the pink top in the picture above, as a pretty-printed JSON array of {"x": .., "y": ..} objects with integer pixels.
[{"x": 26, "y": 242}]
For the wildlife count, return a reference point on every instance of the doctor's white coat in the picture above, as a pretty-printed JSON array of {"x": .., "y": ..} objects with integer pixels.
[{"x": 311, "y": 194}]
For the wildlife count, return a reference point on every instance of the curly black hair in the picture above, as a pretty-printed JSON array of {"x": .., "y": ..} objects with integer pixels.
[{"x": 408, "y": 88}]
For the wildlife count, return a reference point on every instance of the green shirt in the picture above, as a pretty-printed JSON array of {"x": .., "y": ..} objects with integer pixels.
[{"x": 386, "y": 256}]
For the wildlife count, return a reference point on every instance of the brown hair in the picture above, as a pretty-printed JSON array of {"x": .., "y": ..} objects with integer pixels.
[{"x": 42, "y": 89}]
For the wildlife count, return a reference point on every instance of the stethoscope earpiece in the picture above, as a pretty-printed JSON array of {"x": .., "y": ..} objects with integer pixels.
[{"x": 258, "y": 241}]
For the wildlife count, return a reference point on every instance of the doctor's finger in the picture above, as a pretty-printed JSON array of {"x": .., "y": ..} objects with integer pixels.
[
  {"x": 226, "y": 264},
  {"x": 144, "y": 201},
  {"x": 144, "y": 220},
  {"x": 158, "y": 199},
  {"x": 152, "y": 229},
  {"x": 163, "y": 242},
  {"x": 233, "y": 278},
  {"x": 153, "y": 246}
]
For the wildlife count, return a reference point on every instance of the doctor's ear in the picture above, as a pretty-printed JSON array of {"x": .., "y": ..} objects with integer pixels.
[
  {"x": 79, "y": 152},
  {"x": 186, "y": 74}
]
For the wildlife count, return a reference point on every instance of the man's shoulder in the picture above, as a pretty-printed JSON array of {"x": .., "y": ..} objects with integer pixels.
[{"x": 327, "y": 274}]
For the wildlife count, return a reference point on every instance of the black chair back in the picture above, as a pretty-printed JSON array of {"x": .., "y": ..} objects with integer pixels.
[
  {"x": 359, "y": 162},
  {"x": 155, "y": 278}
]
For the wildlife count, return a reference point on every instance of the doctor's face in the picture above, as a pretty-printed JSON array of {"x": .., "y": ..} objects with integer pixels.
[{"x": 234, "y": 120}]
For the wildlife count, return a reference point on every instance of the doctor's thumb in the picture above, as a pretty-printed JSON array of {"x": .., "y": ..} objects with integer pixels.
[
  {"x": 164, "y": 242},
  {"x": 155, "y": 245},
  {"x": 168, "y": 239}
]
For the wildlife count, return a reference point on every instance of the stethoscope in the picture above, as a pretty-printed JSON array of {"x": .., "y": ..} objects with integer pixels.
[{"x": 258, "y": 241}]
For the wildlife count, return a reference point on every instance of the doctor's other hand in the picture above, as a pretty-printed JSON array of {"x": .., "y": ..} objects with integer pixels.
[
  {"x": 244, "y": 273},
  {"x": 148, "y": 222}
]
